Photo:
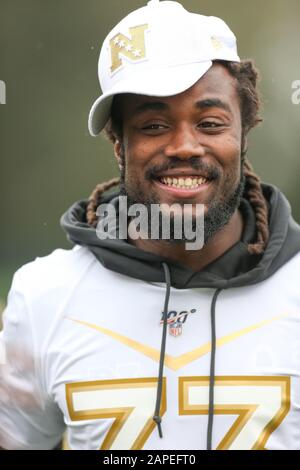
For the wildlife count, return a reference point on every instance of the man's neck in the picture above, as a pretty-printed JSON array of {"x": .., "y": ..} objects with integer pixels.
[{"x": 222, "y": 241}]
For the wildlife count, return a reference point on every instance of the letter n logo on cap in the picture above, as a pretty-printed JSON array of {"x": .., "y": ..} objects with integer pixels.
[{"x": 134, "y": 47}]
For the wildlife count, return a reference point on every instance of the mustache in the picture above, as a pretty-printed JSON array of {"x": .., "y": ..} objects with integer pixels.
[{"x": 196, "y": 164}]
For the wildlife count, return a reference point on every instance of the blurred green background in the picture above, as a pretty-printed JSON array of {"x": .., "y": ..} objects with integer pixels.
[{"x": 48, "y": 60}]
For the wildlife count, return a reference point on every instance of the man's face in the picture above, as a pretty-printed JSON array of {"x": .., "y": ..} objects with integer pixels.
[{"x": 186, "y": 148}]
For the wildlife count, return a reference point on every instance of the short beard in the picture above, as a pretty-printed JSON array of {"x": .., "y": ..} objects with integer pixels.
[
  {"x": 220, "y": 213},
  {"x": 217, "y": 216}
]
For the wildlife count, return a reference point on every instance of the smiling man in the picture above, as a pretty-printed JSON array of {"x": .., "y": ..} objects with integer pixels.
[
  {"x": 140, "y": 343},
  {"x": 186, "y": 149}
]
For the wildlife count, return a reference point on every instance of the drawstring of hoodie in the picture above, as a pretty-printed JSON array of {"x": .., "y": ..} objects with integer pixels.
[
  {"x": 212, "y": 370},
  {"x": 157, "y": 418}
]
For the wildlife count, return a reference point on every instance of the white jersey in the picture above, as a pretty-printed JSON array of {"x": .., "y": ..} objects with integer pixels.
[{"x": 95, "y": 336}]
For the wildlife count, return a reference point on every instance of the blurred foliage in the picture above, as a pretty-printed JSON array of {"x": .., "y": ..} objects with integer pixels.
[{"x": 48, "y": 59}]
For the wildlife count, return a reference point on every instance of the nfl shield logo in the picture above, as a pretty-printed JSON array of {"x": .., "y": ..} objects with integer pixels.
[{"x": 175, "y": 328}]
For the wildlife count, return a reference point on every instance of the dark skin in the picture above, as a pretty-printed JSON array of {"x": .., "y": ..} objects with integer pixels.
[{"x": 179, "y": 128}]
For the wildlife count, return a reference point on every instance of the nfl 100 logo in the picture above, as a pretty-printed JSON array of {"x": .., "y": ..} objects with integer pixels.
[
  {"x": 175, "y": 328},
  {"x": 176, "y": 321}
]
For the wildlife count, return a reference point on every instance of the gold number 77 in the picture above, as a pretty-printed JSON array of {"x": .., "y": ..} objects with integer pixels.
[{"x": 260, "y": 403}]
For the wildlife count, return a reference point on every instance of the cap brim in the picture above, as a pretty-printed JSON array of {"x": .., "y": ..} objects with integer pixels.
[{"x": 159, "y": 82}]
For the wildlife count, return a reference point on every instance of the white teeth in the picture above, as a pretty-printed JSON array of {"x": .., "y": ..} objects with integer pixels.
[
  {"x": 201, "y": 180},
  {"x": 190, "y": 182}
]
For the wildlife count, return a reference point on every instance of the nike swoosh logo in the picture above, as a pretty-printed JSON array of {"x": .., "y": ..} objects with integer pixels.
[{"x": 177, "y": 362}]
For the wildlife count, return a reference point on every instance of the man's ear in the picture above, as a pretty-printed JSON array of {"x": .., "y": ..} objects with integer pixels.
[
  {"x": 244, "y": 144},
  {"x": 118, "y": 152}
]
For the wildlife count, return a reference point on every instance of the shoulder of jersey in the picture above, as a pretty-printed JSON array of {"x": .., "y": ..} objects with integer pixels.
[{"x": 58, "y": 271}]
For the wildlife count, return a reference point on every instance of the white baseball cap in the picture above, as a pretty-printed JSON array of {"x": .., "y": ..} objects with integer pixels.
[{"x": 158, "y": 50}]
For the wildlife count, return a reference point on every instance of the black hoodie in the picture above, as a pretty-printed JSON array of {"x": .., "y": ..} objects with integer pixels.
[{"x": 235, "y": 268}]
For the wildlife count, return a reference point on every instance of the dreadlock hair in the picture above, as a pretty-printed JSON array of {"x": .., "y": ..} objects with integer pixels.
[{"x": 247, "y": 77}]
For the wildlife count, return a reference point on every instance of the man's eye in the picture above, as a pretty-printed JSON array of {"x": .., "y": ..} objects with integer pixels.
[
  {"x": 154, "y": 127},
  {"x": 210, "y": 124}
]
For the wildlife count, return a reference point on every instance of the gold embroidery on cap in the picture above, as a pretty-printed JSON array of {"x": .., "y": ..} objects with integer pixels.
[
  {"x": 134, "y": 47},
  {"x": 216, "y": 43}
]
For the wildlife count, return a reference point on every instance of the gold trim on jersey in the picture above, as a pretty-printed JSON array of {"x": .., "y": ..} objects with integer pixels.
[
  {"x": 176, "y": 363},
  {"x": 243, "y": 411},
  {"x": 122, "y": 414}
]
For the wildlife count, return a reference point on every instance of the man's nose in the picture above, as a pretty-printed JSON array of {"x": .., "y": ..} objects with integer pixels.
[{"x": 185, "y": 142}]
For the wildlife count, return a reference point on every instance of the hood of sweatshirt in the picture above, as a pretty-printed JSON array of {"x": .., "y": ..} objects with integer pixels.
[{"x": 235, "y": 268}]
